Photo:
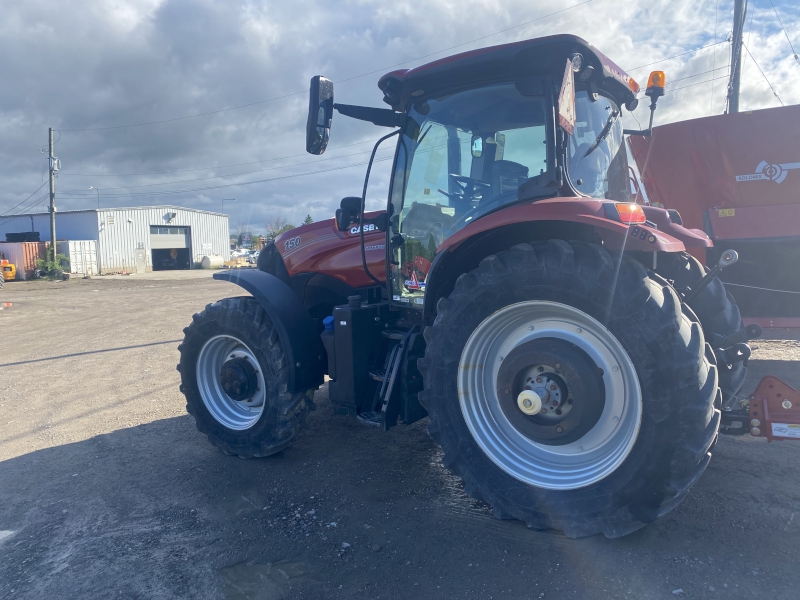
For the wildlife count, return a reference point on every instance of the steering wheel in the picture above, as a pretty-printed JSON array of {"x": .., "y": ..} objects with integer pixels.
[{"x": 469, "y": 187}]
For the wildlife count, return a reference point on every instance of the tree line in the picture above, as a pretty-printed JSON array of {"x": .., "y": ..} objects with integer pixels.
[{"x": 273, "y": 226}]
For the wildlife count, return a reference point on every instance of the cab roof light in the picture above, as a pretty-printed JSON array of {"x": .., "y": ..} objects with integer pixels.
[
  {"x": 625, "y": 212},
  {"x": 655, "y": 84}
]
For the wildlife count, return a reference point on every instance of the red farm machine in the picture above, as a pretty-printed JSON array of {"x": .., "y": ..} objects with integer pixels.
[
  {"x": 736, "y": 177},
  {"x": 576, "y": 363}
]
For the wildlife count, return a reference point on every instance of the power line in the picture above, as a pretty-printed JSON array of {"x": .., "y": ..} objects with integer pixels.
[
  {"x": 677, "y": 55},
  {"x": 797, "y": 58},
  {"x": 213, "y": 112},
  {"x": 126, "y": 187},
  {"x": 216, "y": 187},
  {"x": 22, "y": 211},
  {"x": 699, "y": 83},
  {"x": 24, "y": 201},
  {"x": 255, "y": 162},
  {"x": 308, "y": 162},
  {"x": 702, "y": 73},
  {"x": 763, "y": 75}
]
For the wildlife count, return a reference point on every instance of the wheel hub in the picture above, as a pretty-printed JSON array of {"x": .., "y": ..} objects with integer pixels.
[
  {"x": 526, "y": 375},
  {"x": 238, "y": 379},
  {"x": 597, "y": 392}
]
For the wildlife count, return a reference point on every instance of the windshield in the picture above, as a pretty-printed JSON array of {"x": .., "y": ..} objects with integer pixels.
[
  {"x": 597, "y": 162},
  {"x": 461, "y": 157}
]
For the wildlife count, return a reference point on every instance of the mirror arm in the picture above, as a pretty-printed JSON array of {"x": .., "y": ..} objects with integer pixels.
[
  {"x": 644, "y": 132},
  {"x": 383, "y": 117}
]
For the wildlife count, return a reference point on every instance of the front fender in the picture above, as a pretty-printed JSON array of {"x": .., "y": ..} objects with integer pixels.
[{"x": 297, "y": 331}]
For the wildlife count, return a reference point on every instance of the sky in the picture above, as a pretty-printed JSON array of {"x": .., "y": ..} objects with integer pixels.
[{"x": 92, "y": 69}]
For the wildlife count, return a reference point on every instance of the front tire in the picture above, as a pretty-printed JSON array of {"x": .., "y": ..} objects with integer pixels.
[
  {"x": 234, "y": 376},
  {"x": 574, "y": 305},
  {"x": 718, "y": 313}
]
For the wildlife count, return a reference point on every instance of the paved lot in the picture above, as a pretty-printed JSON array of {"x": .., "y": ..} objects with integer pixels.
[{"x": 107, "y": 490}]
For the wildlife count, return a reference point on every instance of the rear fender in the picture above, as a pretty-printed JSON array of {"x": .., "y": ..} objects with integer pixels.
[
  {"x": 557, "y": 218},
  {"x": 585, "y": 211},
  {"x": 297, "y": 331}
]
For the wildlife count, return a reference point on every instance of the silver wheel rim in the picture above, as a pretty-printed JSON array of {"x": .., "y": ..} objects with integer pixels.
[
  {"x": 233, "y": 414},
  {"x": 583, "y": 462}
]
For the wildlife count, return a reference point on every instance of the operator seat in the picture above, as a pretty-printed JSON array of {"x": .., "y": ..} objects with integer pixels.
[{"x": 507, "y": 176}]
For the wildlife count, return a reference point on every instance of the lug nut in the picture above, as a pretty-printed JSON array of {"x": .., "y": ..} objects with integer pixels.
[
  {"x": 559, "y": 429},
  {"x": 538, "y": 380},
  {"x": 553, "y": 386},
  {"x": 540, "y": 369},
  {"x": 558, "y": 365}
]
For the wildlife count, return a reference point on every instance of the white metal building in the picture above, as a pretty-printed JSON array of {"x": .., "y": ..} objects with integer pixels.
[{"x": 135, "y": 240}]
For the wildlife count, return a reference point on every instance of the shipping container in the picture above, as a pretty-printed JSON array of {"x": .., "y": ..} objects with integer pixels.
[
  {"x": 24, "y": 255},
  {"x": 81, "y": 254}
]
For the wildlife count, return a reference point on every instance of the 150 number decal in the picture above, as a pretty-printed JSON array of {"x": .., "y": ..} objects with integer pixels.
[{"x": 292, "y": 243}]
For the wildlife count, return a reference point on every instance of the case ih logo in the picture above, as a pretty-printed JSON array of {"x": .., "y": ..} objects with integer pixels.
[{"x": 770, "y": 172}]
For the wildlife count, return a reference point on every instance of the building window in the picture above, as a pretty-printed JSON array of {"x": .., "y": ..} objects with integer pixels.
[{"x": 156, "y": 230}]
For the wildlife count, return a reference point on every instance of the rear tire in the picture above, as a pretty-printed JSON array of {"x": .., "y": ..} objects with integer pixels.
[
  {"x": 266, "y": 416},
  {"x": 644, "y": 325}
]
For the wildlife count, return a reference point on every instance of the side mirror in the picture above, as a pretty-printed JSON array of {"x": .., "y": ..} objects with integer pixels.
[
  {"x": 320, "y": 114},
  {"x": 348, "y": 213}
]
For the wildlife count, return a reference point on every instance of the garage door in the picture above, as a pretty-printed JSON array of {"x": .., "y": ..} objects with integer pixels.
[
  {"x": 162, "y": 237},
  {"x": 170, "y": 247}
]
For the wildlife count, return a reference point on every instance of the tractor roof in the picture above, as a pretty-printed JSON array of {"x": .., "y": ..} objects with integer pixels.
[{"x": 537, "y": 57}]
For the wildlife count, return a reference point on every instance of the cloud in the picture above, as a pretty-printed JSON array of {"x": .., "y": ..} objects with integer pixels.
[{"x": 103, "y": 63}]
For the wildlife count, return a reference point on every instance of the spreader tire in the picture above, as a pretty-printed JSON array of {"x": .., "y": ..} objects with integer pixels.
[
  {"x": 237, "y": 334},
  {"x": 718, "y": 314},
  {"x": 639, "y": 322}
]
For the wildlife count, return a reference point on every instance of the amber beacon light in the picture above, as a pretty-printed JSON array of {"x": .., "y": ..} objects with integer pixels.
[{"x": 655, "y": 84}]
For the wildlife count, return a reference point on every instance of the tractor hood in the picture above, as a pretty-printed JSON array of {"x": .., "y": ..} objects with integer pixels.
[{"x": 539, "y": 57}]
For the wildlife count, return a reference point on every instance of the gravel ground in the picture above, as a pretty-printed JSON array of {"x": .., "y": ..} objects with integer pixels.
[{"x": 107, "y": 490}]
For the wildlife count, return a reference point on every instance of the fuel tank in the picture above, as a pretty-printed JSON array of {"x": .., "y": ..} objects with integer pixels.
[{"x": 321, "y": 248}]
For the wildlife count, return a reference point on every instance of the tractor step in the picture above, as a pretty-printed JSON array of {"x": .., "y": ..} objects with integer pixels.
[
  {"x": 378, "y": 374},
  {"x": 394, "y": 334},
  {"x": 371, "y": 418}
]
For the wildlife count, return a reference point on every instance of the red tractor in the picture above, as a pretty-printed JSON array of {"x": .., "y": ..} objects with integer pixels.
[{"x": 574, "y": 360}]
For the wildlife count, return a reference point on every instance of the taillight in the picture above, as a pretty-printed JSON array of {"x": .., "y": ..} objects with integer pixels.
[{"x": 630, "y": 213}]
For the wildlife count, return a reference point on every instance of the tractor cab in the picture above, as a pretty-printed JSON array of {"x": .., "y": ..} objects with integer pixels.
[{"x": 485, "y": 130}]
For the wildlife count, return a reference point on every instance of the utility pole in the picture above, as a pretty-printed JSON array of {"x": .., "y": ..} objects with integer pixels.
[
  {"x": 53, "y": 170},
  {"x": 739, "y": 18}
]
